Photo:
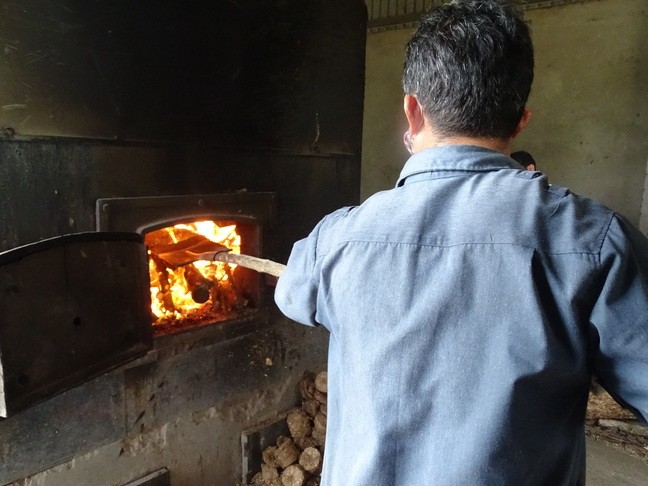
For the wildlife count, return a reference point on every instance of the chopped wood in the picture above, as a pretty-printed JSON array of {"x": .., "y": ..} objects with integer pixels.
[
  {"x": 321, "y": 382},
  {"x": 320, "y": 422},
  {"x": 299, "y": 423},
  {"x": 274, "y": 482},
  {"x": 310, "y": 459},
  {"x": 307, "y": 386},
  {"x": 282, "y": 439},
  {"x": 293, "y": 476},
  {"x": 311, "y": 407},
  {"x": 306, "y": 442},
  {"x": 319, "y": 436},
  {"x": 286, "y": 454},
  {"x": 319, "y": 396},
  {"x": 269, "y": 456},
  {"x": 269, "y": 473},
  {"x": 297, "y": 460}
]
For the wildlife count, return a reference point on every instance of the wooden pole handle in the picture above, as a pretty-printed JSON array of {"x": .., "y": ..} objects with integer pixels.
[{"x": 259, "y": 264}]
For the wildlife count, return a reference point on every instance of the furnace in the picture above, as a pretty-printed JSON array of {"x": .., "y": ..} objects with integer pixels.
[
  {"x": 203, "y": 292},
  {"x": 124, "y": 126}
]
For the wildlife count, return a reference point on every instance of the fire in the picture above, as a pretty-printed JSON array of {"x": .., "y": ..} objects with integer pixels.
[{"x": 202, "y": 287}]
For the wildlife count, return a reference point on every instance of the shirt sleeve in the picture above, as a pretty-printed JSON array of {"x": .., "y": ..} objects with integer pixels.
[
  {"x": 619, "y": 319},
  {"x": 297, "y": 288}
]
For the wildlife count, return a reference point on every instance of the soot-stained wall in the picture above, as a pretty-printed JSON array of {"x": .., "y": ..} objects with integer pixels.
[{"x": 123, "y": 99}]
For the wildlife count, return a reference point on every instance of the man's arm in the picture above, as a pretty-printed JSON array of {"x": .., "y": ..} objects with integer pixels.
[
  {"x": 619, "y": 319},
  {"x": 296, "y": 292}
]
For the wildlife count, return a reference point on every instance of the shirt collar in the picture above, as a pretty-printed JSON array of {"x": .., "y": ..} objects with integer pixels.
[{"x": 469, "y": 158}]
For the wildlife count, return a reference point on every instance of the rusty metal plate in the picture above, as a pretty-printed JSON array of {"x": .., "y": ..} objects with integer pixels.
[{"x": 72, "y": 307}]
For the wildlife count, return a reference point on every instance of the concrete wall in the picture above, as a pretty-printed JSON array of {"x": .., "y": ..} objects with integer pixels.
[
  {"x": 590, "y": 102},
  {"x": 383, "y": 153},
  {"x": 183, "y": 409}
]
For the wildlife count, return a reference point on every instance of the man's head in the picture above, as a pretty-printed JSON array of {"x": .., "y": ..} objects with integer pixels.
[
  {"x": 525, "y": 159},
  {"x": 470, "y": 67}
]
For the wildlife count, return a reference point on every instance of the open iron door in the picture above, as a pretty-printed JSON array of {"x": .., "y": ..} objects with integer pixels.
[{"x": 71, "y": 308}]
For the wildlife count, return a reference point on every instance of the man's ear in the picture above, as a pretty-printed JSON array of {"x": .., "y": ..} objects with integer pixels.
[
  {"x": 414, "y": 114},
  {"x": 524, "y": 121}
]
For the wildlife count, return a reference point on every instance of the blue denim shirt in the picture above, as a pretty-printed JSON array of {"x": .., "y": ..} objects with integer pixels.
[{"x": 467, "y": 309}]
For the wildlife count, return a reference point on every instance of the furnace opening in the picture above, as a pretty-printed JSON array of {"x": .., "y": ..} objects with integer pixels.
[{"x": 202, "y": 292}]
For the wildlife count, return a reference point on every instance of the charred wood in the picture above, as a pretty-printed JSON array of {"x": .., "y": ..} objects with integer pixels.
[
  {"x": 165, "y": 286},
  {"x": 198, "y": 284}
]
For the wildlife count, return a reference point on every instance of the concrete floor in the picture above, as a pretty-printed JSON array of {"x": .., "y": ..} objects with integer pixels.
[{"x": 607, "y": 466}]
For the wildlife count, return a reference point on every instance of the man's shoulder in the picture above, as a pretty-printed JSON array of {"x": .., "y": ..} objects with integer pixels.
[
  {"x": 584, "y": 204},
  {"x": 585, "y": 220}
]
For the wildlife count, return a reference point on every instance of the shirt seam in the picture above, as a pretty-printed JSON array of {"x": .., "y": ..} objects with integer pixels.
[
  {"x": 603, "y": 236},
  {"x": 438, "y": 173},
  {"x": 432, "y": 176},
  {"x": 432, "y": 245}
]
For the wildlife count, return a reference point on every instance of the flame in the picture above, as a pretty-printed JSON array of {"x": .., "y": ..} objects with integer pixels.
[{"x": 176, "y": 301}]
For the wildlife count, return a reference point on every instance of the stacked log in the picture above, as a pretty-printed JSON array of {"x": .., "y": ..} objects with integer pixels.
[{"x": 297, "y": 460}]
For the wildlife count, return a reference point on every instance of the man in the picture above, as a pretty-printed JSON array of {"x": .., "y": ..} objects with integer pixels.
[
  {"x": 525, "y": 159},
  {"x": 469, "y": 306}
]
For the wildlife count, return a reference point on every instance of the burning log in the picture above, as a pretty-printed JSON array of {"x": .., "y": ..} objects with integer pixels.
[
  {"x": 176, "y": 289},
  {"x": 223, "y": 297},
  {"x": 198, "y": 285},
  {"x": 230, "y": 278},
  {"x": 165, "y": 286},
  {"x": 219, "y": 302}
]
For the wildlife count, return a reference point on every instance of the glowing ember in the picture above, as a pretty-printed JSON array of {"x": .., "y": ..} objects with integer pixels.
[{"x": 200, "y": 289}]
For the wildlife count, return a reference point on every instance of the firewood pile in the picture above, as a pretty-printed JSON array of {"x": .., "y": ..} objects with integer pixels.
[{"x": 297, "y": 460}]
